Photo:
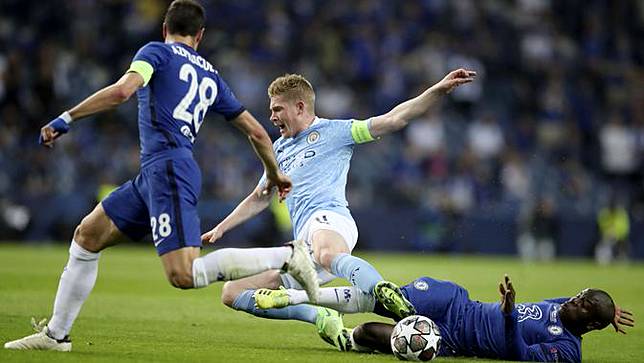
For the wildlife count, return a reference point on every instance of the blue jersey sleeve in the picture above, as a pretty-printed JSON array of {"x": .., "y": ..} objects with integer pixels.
[
  {"x": 226, "y": 103},
  {"x": 154, "y": 53},
  {"x": 551, "y": 352},
  {"x": 149, "y": 59},
  {"x": 517, "y": 349}
]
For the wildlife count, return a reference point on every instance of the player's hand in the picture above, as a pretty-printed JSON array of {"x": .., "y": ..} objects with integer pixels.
[
  {"x": 283, "y": 184},
  {"x": 454, "y": 79},
  {"x": 213, "y": 235},
  {"x": 622, "y": 318},
  {"x": 507, "y": 295},
  {"x": 52, "y": 131}
]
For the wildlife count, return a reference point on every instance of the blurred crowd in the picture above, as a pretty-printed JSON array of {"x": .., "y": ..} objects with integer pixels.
[{"x": 553, "y": 124}]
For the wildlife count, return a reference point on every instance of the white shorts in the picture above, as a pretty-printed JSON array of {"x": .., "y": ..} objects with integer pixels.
[{"x": 324, "y": 220}]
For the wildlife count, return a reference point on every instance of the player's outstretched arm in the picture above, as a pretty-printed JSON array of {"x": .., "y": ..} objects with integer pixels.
[
  {"x": 104, "y": 99},
  {"x": 254, "y": 203},
  {"x": 506, "y": 289},
  {"x": 263, "y": 147},
  {"x": 400, "y": 115},
  {"x": 374, "y": 336}
]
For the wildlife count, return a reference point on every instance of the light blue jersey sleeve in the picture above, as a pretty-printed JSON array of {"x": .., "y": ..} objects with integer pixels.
[{"x": 349, "y": 132}]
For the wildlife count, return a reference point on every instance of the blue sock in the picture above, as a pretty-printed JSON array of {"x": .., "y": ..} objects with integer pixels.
[
  {"x": 357, "y": 271},
  {"x": 303, "y": 312}
]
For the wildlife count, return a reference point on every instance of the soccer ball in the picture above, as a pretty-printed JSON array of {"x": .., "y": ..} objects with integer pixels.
[{"x": 415, "y": 338}]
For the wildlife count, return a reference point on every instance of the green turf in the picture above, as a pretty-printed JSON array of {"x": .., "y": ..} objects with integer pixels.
[{"x": 134, "y": 315}]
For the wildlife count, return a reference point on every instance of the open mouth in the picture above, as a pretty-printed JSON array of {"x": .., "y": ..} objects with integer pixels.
[{"x": 281, "y": 126}]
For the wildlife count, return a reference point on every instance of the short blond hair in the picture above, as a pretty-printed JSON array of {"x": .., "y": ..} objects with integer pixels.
[{"x": 293, "y": 87}]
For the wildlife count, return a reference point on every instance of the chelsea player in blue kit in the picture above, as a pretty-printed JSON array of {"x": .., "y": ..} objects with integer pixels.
[
  {"x": 316, "y": 153},
  {"x": 547, "y": 331},
  {"x": 176, "y": 87}
]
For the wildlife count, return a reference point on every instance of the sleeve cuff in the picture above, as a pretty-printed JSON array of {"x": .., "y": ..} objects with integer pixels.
[{"x": 234, "y": 115}]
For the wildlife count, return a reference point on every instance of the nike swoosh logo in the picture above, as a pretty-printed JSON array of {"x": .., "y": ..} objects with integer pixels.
[{"x": 159, "y": 242}]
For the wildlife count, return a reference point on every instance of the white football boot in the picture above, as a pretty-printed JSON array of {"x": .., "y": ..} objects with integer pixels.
[
  {"x": 40, "y": 340},
  {"x": 300, "y": 266}
]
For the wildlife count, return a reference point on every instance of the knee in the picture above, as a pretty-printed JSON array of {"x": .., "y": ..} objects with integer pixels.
[
  {"x": 181, "y": 279},
  {"x": 86, "y": 236},
  {"x": 229, "y": 293},
  {"x": 327, "y": 254}
]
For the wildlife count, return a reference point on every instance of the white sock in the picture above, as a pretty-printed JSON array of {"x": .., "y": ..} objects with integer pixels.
[
  {"x": 76, "y": 282},
  {"x": 348, "y": 299},
  {"x": 235, "y": 263}
]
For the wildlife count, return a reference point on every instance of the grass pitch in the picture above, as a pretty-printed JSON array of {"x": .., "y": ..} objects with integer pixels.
[{"x": 133, "y": 314}]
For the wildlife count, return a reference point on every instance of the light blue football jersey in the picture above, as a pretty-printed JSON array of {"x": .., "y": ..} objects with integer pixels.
[{"x": 317, "y": 161}]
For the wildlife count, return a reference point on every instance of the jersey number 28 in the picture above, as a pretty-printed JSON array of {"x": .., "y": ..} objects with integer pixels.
[{"x": 207, "y": 89}]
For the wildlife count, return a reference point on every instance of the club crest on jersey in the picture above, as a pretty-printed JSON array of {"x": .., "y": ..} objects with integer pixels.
[
  {"x": 532, "y": 312},
  {"x": 421, "y": 285},
  {"x": 555, "y": 330},
  {"x": 313, "y": 137}
]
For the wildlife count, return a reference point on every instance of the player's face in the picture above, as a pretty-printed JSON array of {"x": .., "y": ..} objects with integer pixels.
[
  {"x": 580, "y": 308},
  {"x": 284, "y": 116}
]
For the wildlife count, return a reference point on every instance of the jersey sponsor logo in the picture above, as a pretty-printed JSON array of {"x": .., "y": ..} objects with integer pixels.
[
  {"x": 421, "y": 285},
  {"x": 555, "y": 330},
  {"x": 313, "y": 137},
  {"x": 185, "y": 130},
  {"x": 194, "y": 59},
  {"x": 526, "y": 312},
  {"x": 297, "y": 160}
]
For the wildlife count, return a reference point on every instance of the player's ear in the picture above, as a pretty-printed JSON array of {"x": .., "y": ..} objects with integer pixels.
[
  {"x": 164, "y": 30},
  {"x": 300, "y": 107},
  {"x": 199, "y": 35}
]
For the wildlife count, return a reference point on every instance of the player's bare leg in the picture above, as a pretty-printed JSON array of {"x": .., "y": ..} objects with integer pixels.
[
  {"x": 95, "y": 233},
  {"x": 178, "y": 266},
  {"x": 240, "y": 295},
  {"x": 331, "y": 251}
]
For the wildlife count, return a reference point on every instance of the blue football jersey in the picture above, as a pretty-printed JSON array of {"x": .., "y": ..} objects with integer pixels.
[
  {"x": 317, "y": 160},
  {"x": 179, "y": 88},
  {"x": 533, "y": 332}
]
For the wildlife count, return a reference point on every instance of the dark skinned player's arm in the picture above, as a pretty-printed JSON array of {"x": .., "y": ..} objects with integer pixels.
[
  {"x": 562, "y": 350},
  {"x": 374, "y": 336}
]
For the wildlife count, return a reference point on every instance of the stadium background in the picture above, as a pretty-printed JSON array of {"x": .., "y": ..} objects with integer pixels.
[{"x": 551, "y": 132}]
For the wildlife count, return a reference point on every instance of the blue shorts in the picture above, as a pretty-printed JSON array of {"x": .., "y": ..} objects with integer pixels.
[
  {"x": 161, "y": 200},
  {"x": 441, "y": 301}
]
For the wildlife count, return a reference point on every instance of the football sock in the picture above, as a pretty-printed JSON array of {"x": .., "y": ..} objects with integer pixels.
[
  {"x": 357, "y": 271},
  {"x": 246, "y": 302},
  {"x": 348, "y": 299},
  {"x": 234, "y": 263},
  {"x": 76, "y": 282}
]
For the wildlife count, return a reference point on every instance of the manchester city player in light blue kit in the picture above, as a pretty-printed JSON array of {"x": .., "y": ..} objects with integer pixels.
[
  {"x": 544, "y": 331},
  {"x": 176, "y": 87},
  {"x": 316, "y": 153}
]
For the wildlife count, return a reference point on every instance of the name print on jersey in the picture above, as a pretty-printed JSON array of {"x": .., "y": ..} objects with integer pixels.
[{"x": 196, "y": 60}]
